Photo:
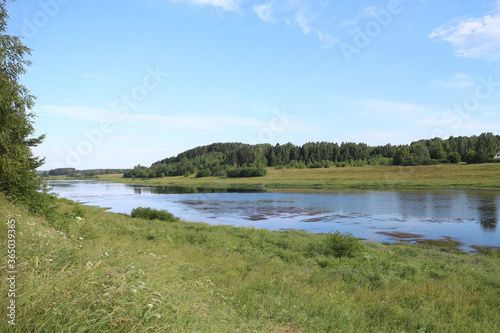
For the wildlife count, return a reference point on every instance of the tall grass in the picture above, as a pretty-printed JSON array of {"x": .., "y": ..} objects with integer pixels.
[{"x": 109, "y": 272}]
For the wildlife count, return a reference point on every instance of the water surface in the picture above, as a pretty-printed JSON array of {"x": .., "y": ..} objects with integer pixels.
[{"x": 469, "y": 216}]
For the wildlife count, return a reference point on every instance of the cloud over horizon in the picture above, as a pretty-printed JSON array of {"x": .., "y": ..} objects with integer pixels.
[{"x": 476, "y": 37}]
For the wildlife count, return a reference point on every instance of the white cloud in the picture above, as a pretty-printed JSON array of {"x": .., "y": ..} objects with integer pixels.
[
  {"x": 452, "y": 121},
  {"x": 458, "y": 81},
  {"x": 419, "y": 118},
  {"x": 185, "y": 123},
  {"x": 265, "y": 11},
  {"x": 391, "y": 107},
  {"x": 196, "y": 123},
  {"x": 304, "y": 19},
  {"x": 477, "y": 37},
  {"x": 78, "y": 112},
  {"x": 409, "y": 113},
  {"x": 304, "y": 14},
  {"x": 229, "y": 5}
]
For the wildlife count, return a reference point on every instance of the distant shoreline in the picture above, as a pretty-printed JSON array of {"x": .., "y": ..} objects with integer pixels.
[{"x": 473, "y": 176}]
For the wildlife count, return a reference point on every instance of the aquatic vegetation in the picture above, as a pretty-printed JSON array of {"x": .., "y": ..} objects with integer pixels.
[{"x": 403, "y": 235}]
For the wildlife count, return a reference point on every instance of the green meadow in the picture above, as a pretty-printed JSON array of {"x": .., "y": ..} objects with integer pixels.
[
  {"x": 82, "y": 269},
  {"x": 473, "y": 176}
]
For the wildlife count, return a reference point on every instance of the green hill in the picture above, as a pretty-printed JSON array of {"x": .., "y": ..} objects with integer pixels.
[{"x": 221, "y": 159}]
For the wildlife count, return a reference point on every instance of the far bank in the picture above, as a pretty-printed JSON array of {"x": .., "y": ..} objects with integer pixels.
[{"x": 473, "y": 176}]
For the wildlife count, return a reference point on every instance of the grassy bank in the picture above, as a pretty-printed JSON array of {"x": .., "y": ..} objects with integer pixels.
[
  {"x": 109, "y": 272},
  {"x": 480, "y": 176}
]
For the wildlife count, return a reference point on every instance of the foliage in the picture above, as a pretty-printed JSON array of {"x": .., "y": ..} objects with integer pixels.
[
  {"x": 72, "y": 172},
  {"x": 470, "y": 156},
  {"x": 247, "y": 172},
  {"x": 17, "y": 164},
  {"x": 203, "y": 173},
  {"x": 454, "y": 157},
  {"x": 152, "y": 214},
  {"x": 220, "y": 158},
  {"x": 63, "y": 172}
]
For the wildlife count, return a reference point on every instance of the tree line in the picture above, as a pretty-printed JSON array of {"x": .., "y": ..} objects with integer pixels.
[
  {"x": 72, "y": 172},
  {"x": 222, "y": 159}
]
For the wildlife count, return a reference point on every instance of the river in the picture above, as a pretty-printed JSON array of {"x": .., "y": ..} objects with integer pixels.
[{"x": 468, "y": 216}]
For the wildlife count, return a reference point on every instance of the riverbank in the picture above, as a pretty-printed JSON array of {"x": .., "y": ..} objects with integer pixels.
[
  {"x": 84, "y": 269},
  {"x": 476, "y": 176}
]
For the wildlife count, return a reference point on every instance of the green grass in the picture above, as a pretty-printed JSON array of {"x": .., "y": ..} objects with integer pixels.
[
  {"x": 110, "y": 272},
  {"x": 476, "y": 176}
]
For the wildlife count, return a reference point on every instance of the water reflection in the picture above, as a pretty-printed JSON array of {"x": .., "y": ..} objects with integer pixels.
[
  {"x": 469, "y": 216},
  {"x": 488, "y": 213},
  {"x": 189, "y": 190},
  {"x": 486, "y": 204}
]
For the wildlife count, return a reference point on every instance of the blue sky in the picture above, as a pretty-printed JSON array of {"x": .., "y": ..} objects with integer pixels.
[{"x": 121, "y": 83}]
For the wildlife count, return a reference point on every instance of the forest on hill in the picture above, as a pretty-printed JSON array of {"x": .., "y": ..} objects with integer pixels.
[{"x": 244, "y": 160}]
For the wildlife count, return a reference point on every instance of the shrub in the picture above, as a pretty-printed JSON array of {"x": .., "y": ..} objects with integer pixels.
[
  {"x": 78, "y": 210},
  {"x": 247, "y": 172},
  {"x": 153, "y": 214},
  {"x": 339, "y": 245},
  {"x": 203, "y": 173},
  {"x": 316, "y": 165},
  {"x": 219, "y": 173},
  {"x": 454, "y": 157},
  {"x": 470, "y": 157}
]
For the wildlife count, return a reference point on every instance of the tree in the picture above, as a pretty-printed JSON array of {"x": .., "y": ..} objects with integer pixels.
[
  {"x": 486, "y": 147},
  {"x": 401, "y": 155},
  {"x": 454, "y": 157},
  {"x": 437, "y": 151},
  {"x": 470, "y": 157},
  {"x": 17, "y": 163},
  {"x": 419, "y": 152}
]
